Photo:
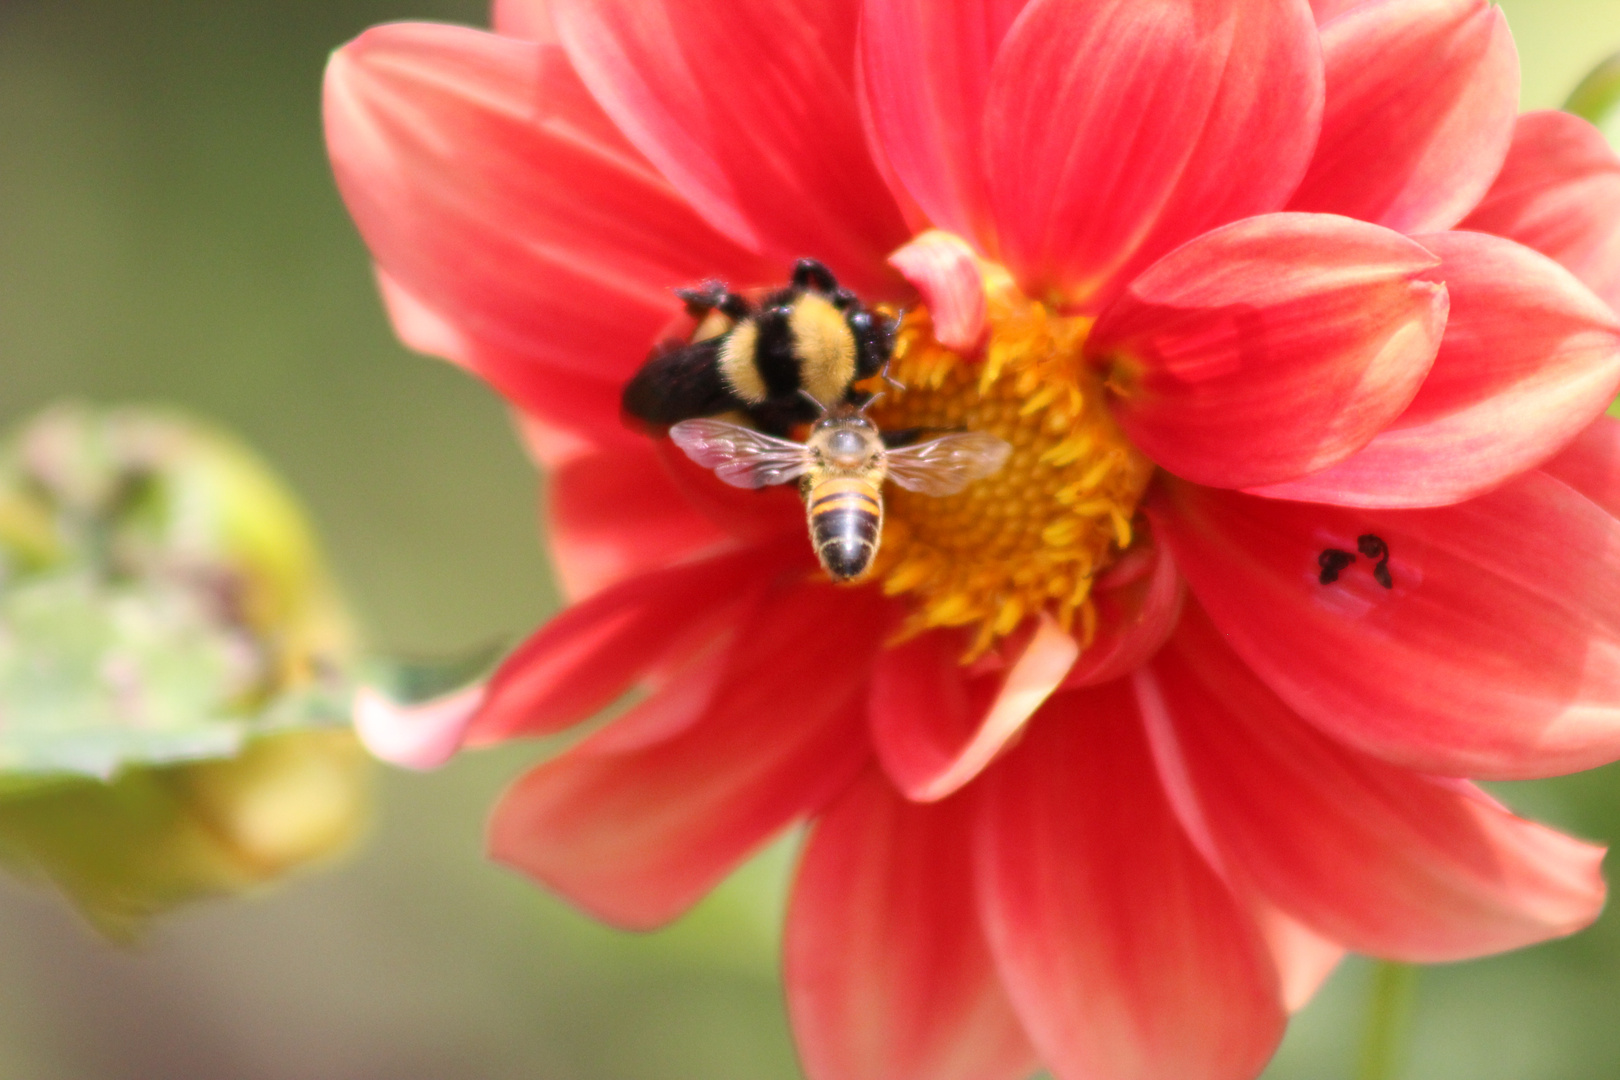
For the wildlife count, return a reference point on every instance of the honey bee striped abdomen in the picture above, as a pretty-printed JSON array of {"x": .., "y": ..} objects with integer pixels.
[{"x": 843, "y": 465}]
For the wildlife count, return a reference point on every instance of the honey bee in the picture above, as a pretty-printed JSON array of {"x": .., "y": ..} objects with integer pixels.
[
  {"x": 841, "y": 467},
  {"x": 779, "y": 363}
]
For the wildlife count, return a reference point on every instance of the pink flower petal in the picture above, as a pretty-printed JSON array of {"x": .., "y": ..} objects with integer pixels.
[
  {"x": 1383, "y": 860},
  {"x": 1134, "y": 617},
  {"x": 1115, "y": 130},
  {"x": 1559, "y": 193},
  {"x": 935, "y": 729},
  {"x": 1530, "y": 358},
  {"x": 618, "y": 514},
  {"x": 636, "y": 831},
  {"x": 888, "y": 975},
  {"x": 946, "y": 272},
  {"x": 422, "y": 736},
  {"x": 1304, "y": 958},
  {"x": 418, "y": 326},
  {"x": 493, "y": 191},
  {"x": 1270, "y": 348},
  {"x": 1591, "y": 464},
  {"x": 569, "y": 412},
  {"x": 926, "y": 72},
  {"x": 526, "y": 19},
  {"x": 758, "y": 516},
  {"x": 1421, "y": 97},
  {"x": 550, "y": 447},
  {"x": 1495, "y": 653},
  {"x": 916, "y": 221},
  {"x": 1124, "y": 954},
  {"x": 749, "y": 109},
  {"x": 583, "y": 660},
  {"x": 1326, "y": 10}
]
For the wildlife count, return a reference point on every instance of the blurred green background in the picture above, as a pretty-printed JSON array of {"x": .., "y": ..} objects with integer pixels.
[{"x": 169, "y": 232}]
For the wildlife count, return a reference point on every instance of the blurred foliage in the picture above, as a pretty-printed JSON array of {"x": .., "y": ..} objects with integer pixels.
[
  {"x": 162, "y": 601},
  {"x": 412, "y": 679},
  {"x": 168, "y": 231},
  {"x": 151, "y": 838},
  {"x": 1597, "y": 98}
]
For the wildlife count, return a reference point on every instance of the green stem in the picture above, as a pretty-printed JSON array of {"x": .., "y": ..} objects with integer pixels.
[{"x": 1389, "y": 1021}]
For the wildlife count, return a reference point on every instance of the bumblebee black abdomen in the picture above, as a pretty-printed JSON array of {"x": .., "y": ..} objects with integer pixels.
[
  {"x": 679, "y": 383},
  {"x": 846, "y": 523}
]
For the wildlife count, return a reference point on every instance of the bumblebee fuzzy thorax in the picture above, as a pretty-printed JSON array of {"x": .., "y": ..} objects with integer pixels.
[
  {"x": 824, "y": 349},
  {"x": 776, "y": 358}
]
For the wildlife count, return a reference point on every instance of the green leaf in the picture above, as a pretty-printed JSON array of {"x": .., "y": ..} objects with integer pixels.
[
  {"x": 409, "y": 680},
  {"x": 96, "y": 675},
  {"x": 1597, "y": 98}
]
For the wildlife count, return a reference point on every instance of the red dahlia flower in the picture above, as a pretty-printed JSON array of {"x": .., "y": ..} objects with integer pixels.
[{"x": 1303, "y": 342}]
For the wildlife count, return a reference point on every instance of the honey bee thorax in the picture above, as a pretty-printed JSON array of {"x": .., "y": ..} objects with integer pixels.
[{"x": 847, "y": 447}]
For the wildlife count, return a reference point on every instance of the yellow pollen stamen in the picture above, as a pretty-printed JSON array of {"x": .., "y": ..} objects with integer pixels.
[{"x": 1033, "y": 537}]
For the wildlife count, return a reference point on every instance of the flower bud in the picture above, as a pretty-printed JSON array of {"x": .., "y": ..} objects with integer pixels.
[{"x": 173, "y": 667}]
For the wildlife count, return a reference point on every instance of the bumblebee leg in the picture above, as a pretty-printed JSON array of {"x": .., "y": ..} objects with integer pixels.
[
  {"x": 736, "y": 307},
  {"x": 703, "y": 299},
  {"x": 780, "y": 418},
  {"x": 713, "y": 295},
  {"x": 811, "y": 274}
]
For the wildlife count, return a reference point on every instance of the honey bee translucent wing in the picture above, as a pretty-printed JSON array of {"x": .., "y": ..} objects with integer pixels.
[
  {"x": 740, "y": 456},
  {"x": 946, "y": 465}
]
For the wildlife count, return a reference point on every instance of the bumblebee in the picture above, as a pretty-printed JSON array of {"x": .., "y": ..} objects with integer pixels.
[
  {"x": 841, "y": 467},
  {"x": 779, "y": 363}
]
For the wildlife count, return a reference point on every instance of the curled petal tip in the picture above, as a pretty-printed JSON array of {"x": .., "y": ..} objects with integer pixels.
[
  {"x": 422, "y": 736},
  {"x": 934, "y": 734},
  {"x": 945, "y": 270}
]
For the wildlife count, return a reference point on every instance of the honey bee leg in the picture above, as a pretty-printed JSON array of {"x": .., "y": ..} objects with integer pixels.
[
  {"x": 811, "y": 274},
  {"x": 894, "y": 440}
]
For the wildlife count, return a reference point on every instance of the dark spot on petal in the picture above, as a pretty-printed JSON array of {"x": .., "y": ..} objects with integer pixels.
[
  {"x": 1333, "y": 561},
  {"x": 1374, "y": 548}
]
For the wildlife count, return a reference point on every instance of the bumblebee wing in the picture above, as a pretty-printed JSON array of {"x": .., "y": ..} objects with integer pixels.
[
  {"x": 740, "y": 456},
  {"x": 946, "y": 465}
]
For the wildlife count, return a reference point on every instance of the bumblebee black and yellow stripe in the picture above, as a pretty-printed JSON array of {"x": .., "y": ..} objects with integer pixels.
[{"x": 846, "y": 523}]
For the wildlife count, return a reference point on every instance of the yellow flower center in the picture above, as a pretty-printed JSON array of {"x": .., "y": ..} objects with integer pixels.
[{"x": 1033, "y": 537}]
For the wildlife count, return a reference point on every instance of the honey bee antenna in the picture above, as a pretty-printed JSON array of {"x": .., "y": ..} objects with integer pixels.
[
  {"x": 812, "y": 399},
  {"x": 890, "y": 379}
]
